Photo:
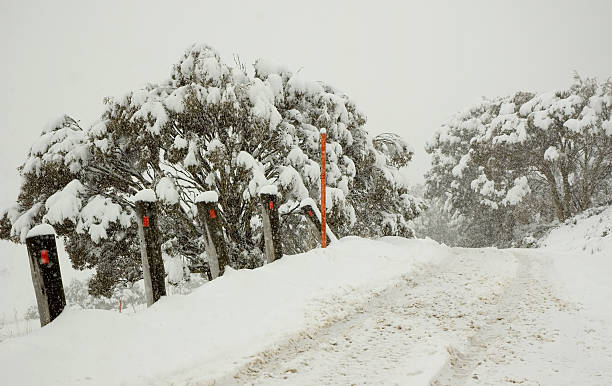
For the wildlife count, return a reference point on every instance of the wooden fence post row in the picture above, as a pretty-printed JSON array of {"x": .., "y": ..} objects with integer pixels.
[
  {"x": 271, "y": 223},
  {"x": 46, "y": 274},
  {"x": 44, "y": 261},
  {"x": 150, "y": 246},
  {"x": 208, "y": 212}
]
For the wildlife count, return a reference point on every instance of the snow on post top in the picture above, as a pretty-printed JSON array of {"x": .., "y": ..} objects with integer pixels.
[
  {"x": 323, "y": 131},
  {"x": 41, "y": 230},
  {"x": 269, "y": 189},
  {"x": 147, "y": 195},
  {"x": 209, "y": 196}
]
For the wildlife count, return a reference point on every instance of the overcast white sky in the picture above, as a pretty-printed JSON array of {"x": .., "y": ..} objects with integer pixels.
[{"x": 408, "y": 65}]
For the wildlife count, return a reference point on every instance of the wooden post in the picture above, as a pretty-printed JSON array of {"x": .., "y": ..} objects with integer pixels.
[
  {"x": 46, "y": 274},
  {"x": 150, "y": 246},
  {"x": 307, "y": 207},
  {"x": 208, "y": 211},
  {"x": 323, "y": 224},
  {"x": 271, "y": 222}
]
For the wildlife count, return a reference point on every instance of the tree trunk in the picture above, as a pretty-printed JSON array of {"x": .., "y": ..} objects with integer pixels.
[
  {"x": 566, "y": 191},
  {"x": 552, "y": 183}
]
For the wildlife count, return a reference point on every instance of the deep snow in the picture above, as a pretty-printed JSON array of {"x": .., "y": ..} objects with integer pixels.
[
  {"x": 391, "y": 311},
  {"x": 219, "y": 327}
]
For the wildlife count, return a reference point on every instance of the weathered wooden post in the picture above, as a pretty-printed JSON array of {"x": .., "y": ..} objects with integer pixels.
[
  {"x": 150, "y": 246},
  {"x": 308, "y": 207},
  {"x": 46, "y": 274},
  {"x": 310, "y": 210},
  {"x": 271, "y": 222},
  {"x": 208, "y": 211}
]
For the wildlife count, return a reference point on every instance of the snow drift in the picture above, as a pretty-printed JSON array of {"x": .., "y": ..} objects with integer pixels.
[
  {"x": 583, "y": 250},
  {"x": 219, "y": 327}
]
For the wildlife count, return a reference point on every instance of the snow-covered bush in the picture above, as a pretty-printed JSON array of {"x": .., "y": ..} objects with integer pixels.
[
  {"x": 210, "y": 126},
  {"x": 77, "y": 295},
  {"x": 31, "y": 313}
]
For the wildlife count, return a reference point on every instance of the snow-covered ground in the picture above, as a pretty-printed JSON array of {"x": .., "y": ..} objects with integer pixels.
[
  {"x": 583, "y": 261},
  {"x": 220, "y": 327},
  {"x": 391, "y": 311}
]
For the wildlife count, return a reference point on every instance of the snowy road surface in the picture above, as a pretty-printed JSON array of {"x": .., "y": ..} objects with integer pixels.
[
  {"x": 390, "y": 311},
  {"x": 495, "y": 313}
]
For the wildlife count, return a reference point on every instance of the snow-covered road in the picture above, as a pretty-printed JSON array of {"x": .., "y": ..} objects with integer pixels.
[
  {"x": 387, "y": 311},
  {"x": 480, "y": 316}
]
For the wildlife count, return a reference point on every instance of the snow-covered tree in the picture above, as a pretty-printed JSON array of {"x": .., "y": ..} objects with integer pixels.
[
  {"x": 562, "y": 139},
  {"x": 507, "y": 154},
  {"x": 210, "y": 126},
  {"x": 448, "y": 182}
]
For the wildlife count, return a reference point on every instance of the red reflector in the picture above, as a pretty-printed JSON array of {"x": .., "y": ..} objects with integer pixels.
[
  {"x": 44, "y": 256},
  {"x": 145, "y": 221},
  {"x": 310, "y": 213},
  {"x": 271, "y": 205},
  {"x": 212, "y": 213}
]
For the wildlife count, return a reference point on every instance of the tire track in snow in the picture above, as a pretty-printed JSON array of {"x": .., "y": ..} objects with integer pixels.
[
  {"x": 401, "y": 335},
  {"x": 463, "y": 361},
  {"x": 537, "y": 336},
  {"x": 481, "y": 317}
]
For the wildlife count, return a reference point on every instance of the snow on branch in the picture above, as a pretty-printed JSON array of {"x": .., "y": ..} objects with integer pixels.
[
  {"x": 25, "y": 221},
  {"x": 258, "y": 178},
  {"x": 271, "y": 190},
  {"x": 166, "y": 191},
  {"x": 291, "y": 181},
  {"x": 63, "y": 142},
  {"x": 100, "y": 212},
  {"x": 517, "y": 192},
  {"x": 64, "y": 204},
  {"x": 207, "y": 197}
]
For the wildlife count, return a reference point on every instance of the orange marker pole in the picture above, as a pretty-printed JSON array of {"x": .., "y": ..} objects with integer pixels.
[{"x": 323, "y": 233}]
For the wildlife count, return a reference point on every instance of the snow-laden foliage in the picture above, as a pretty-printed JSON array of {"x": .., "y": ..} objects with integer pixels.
[
  {"x": 210, "y": 127},
  {"x": 499, "y": 157}
]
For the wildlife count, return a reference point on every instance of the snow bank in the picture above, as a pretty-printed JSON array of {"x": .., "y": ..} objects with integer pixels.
[
  {"x": 588, "y": 234},
  {"x": 219, "y": 327},
  {"x": 583, "y": 250}
]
